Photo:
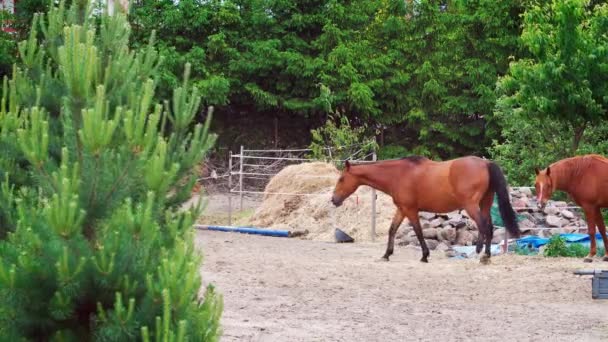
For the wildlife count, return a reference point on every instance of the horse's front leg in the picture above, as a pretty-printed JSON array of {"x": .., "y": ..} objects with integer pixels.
[
  {"x": 591, "y": 223},
  {"x": 601, "y": 226},
  {"x": 397, "y": 219}
]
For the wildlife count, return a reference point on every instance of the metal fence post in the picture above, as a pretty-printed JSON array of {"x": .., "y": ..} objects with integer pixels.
[
  {"x": 230, "y": 188},
  {"x": 241, "y": 180},
  {"x": 373, "y": 228}
]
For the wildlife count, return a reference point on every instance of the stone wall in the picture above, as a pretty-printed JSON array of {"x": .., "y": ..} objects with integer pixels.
[{"x": 456, "y": 228}]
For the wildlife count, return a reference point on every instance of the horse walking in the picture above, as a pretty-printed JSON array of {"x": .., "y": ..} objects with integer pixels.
[
  {"x": 420, "y": 184},
  {"x": 585, "y": 179}
]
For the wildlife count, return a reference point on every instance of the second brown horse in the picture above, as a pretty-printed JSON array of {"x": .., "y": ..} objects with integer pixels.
[
  {"x": 420, "y": 184},
  {"x": 585, "y": 179}
]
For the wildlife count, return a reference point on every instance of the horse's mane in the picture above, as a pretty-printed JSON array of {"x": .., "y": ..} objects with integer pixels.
[
  {"x": 577, "y": 164},
  {"x": 415, "y": 159}
]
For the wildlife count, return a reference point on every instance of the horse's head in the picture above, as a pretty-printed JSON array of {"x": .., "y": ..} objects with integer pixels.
[
  {"x": 346, "y": 185},
  {"x": 544, "y": 186}
]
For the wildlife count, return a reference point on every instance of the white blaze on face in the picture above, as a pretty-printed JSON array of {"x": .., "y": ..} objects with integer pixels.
[{"x": 539, "y": 196}]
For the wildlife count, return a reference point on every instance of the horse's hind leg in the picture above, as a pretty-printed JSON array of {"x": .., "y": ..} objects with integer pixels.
[
  {"x": 590, "y": 213},
  {"x": 412, "y": 215},
  {"x": 602, "y": 228},
  {"x": 487, "y": 227},
  {"x": 481, "y": 222},
  {"x": 397, "y": 219}
]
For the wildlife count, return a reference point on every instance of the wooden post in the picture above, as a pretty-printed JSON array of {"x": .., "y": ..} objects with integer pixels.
[
  {"x": 373, "y": 228},
  {"x": 230, "y": 188},
  {"x": 241, "y": 180}
]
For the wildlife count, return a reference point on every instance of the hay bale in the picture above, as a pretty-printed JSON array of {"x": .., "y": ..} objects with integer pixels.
[
  {"x": 316, "y": 213},
  {"x": 307, "y": 178}
]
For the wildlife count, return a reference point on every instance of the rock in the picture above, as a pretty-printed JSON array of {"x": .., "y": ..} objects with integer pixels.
[
  {"x": 412, "y": 240},
  {"x": 450, "y": 253},
  {"x": 426, "y": 225},
  {"x": 567, "y": 214},
  {"x": 407, "y": 230},
  {"x": 551, "y": 210},
  {"x": 554, "y": 221},
  {"x": 520, "y": 204},
  {"x": 447, "y": 234},
  {"x": 464, "y": 238},
  {"x": 457, "y": 223},
  {"x": 560, "y": 204},
  {"x": 499, "y": 235},
  {"x": 429, "y": 233},
  {"x": 442, "y": 246},
  {"x": 427, "y": 216},
  {"x": 526, "y": 191},
  {"x": 538, "y": 217},
  {"x": 475, "y": 235},
  {"x": 562, "y": 230},
  {"x": 454, "y": 215},
  {"x": 525, "y": 223},
  {"x": 436, "y": 222},
  {"x": 431, "y": 244}
]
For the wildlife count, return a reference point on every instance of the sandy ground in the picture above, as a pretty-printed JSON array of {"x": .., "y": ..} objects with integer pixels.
[{"x": 278, "y": 289}]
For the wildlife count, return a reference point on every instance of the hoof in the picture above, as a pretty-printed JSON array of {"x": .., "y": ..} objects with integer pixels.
[
  {"x": 484, "y": 260},
  {"x": 424, "y": 260},
  {"x": 588, "y": 259}
]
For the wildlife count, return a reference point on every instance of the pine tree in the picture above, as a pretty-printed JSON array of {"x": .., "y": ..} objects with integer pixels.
[{"x": 95, "y": 245}]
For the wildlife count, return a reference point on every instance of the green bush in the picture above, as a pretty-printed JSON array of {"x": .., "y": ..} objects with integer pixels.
[
  {"x": 338, "y": 140},
  {"x": 94, "y": 171},
  {"x": 392, "y": 152},
  {"x": 557, "y": 247}
]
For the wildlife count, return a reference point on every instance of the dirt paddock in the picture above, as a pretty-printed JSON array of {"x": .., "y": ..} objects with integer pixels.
[{"x": 278, "y": 289}]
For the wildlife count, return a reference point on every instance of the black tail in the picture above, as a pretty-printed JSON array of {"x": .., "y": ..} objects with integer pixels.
[{"x": 498, "y": 183}]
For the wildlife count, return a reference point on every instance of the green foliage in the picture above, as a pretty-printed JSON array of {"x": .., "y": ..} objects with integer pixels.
[
  {"x": 8, "y": 46},
  {"x": 557, "y": 247},
  {"x": 95, "y": 245},
  {"x": 394, "y": 63},
  {"x": 531, "y": 142},
  {"x": 524, "y": 250},
  {"x": 561, "y": 87},
  {"x": 338, "y": 140},
  {"x": 392, "y": 152}
]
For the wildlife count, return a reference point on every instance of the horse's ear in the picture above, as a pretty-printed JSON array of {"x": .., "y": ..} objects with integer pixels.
[
  {"x": 536, "y": 170},
  {"x": 548, "y": 171},
  {"x": 346, "y": 165}
]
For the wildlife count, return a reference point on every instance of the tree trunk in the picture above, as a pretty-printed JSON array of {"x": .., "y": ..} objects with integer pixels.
[
  {"x": 579, "y": 131},
  {"x": 276, "y": 132}
]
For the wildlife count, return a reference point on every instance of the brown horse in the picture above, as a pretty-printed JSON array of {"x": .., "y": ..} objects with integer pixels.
[
  {"x": 585, "y": 179},
  {"x": 420, "y": 184}
]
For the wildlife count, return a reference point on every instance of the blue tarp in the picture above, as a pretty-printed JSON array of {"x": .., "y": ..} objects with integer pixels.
[
  {"x": 535, "y": 241},
  {"x": 249, "y": 230}
]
